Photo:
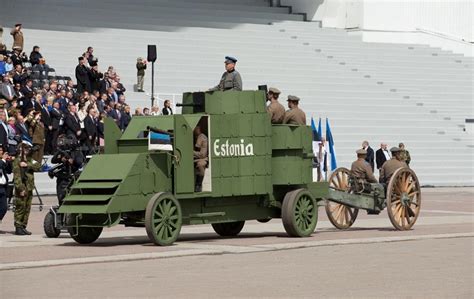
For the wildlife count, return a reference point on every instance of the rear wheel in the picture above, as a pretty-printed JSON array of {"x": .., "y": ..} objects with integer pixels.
[
  {"x": 228, "y": 229},
  {"x": 49, "y": 227},
  {"x": 299, "y": 213},
  {"x": 85, "y": 235},
  {"x": 163, "y": 219},
  {"x": 341, "y": 216}
]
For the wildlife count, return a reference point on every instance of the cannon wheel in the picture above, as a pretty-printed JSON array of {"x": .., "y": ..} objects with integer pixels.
[
  {"x": 163, "y": 219},
  {"x": 403, "y": 198},
  {"x": 49, "y": 228},
  {"x": 341, "y": 216},
  {"x": 228, "y": 229},
  {"x": 299, "y": 213},
  {"x": 85, "y": 235}
]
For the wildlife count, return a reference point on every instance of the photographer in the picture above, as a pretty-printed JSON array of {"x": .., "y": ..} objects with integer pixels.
[
  {"x": 5, "y": 168},
  {"x": 141, "y": 67},
  {"x": 69, "y": 159}
]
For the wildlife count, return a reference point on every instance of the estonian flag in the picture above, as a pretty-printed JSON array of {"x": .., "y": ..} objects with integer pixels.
[
  {"x": 330, "y": 140},
  {"x": 316, "y": 133},
  {"x": 159, "y": 141}
]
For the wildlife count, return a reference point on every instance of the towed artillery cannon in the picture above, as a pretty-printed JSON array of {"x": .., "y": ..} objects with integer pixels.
[
  {"x": 347, "y": 195},
  {"x": 146, "y": 178}
]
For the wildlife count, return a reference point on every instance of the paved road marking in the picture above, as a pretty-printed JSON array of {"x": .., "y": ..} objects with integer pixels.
[
  {"x": 227, "y": 249},
  {"x": 272, "y": 227}
]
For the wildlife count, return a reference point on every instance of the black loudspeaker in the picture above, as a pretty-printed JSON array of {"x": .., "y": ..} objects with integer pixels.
[{"x": 151, "y": 53}]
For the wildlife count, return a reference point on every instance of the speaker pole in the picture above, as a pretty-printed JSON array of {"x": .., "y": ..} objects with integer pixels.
[{"x": 152, "y": 84}]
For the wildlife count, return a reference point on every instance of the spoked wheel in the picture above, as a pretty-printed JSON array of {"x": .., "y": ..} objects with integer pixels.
[
  {"x": 228, "y": 229},
  {"x": 341, "y": 216},
  {"x": 299, "y": 213},
  {"x": 403, "y": 198},
  {"x": 163, "y": 219}
]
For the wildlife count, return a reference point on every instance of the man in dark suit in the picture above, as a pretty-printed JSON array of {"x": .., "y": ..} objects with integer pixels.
[
  {"x": 167, "y": 108},
  {"x": 116, "y": 114},
  {"x": 82, "y": 76},
  {"x": 370, "y": 154},
  {"x": 56, "y": 116},
  {"x": 22, "y": 128},
  {"x": 46, "y": 119},
  {"x": 72, "y": 126},
  {"x": 27, "y": 88},
  {"x": 3, "y": 130},
  {"x": 382, "y": 155},
  {"x": 90, "y": 128},
  {"x": 28, "y": 104}
]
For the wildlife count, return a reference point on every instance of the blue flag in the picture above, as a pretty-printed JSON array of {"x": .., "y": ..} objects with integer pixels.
[
  {"x": 316, "y": 134},
  {"x": 320, "y": 131},
  {"x": 330, "y": 140}
]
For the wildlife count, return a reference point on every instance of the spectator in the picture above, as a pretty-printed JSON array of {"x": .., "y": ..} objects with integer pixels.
[
  {"x": 141, "y": 67},
  {"x": 13, "y": 136},
  {"x": 3, "y": 130},
  {"x": 46, "y": 120},
  {"x": 382, "y": 155},
  {"x": 6, "y": 89},
  {"x": 404, "y": 154},
  {"x": 56, "y": 117},
  {"x": 126, "y": 118},
  {"x": 8, "y": 65},
  {"x": 146, "y": 111},
  {"x": 91, "y": 130},
  {"x": 30, "y": 103},
  {"x": 155, "y": 110},
  {"x": 138, "y": 112},
  {"x": 72, "y": 126},
  {"x": 20, "y": 75},
  {"x": 21, "y": 127},
  {"x": 167, "y": 108},
  {"x": 18, "y": 57},
  {"x": 116, "y": 114},
  {"x": 370, "y": 154},
  {"x": 27, "y": 88},
  {"x": 119, "y": 88},
  {"x": 5, "y": 168},
  {"x": 82, "y": 76},
  {"x": 3, "y": 69},
  {"x": 100, "y": 128},
  {"x": 90, "y": 57},
  {"x": 17, "y": 37},
  {"x": 37, "y": 60},
  {"x": 95, "y": 77}
]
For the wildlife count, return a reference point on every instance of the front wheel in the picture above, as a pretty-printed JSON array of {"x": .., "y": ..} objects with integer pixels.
[
  {"x": 49, "y": 226},
  {"x": 299, "y": 213},
  {"x": 163, "y": 219},
  {"x": 85, "y": 235}
]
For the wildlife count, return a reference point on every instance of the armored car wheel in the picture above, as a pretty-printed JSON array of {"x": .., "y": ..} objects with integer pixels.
[
  {"x": 341, "y": 216},
  {"x": 228, "y": 229},
  {"x": 403, "y": 198},
  {"x": 163, "y": 219},
  {"x": 299, "y": 213},
  {"x": 49, "y": 226},
  {"x": 85, "y": 235}
]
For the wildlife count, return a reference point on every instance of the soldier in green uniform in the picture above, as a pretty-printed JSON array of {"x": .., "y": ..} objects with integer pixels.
[
  {"x": 200, "y": 157},
  {"x": 24, "y": 167},
  {"x": 404, "y": 154},
  {"x": 392, "y": 165},
  {"x": 294, "y": 116},
  {"x": 231, "y": 79},
  {"x": 275, "y": 109},
  {"x": 361, "y": 168}
]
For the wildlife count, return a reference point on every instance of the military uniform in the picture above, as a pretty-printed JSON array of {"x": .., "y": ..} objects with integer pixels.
[
  {"x": 200, "y": 160},
  {"x": 229, "y": 81},
  {"x": 294, "y": 116},
  {"x": 362, "y": 170},
  {"x": 276, "y": 112},
  {"x": 24, "y": 181},
  {"x": 141, "y": 67},
  {"x": 405, "y": 156},
  {"x": 36, "y": 131},
  {"x": 17, "y": 38},
  {"x": 389, "y": 168}
]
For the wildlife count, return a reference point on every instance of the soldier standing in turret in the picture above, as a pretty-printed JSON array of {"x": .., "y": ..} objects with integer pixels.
[
  {"x": 231, "y": 79},
  {"x": 275, "y": 109},
  {"x": 24, "y": 167}
]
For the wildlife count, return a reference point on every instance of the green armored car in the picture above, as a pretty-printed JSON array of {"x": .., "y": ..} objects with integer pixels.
[
  {"x": 221, "y": 162},
  {"x": 254, "y": 170}
]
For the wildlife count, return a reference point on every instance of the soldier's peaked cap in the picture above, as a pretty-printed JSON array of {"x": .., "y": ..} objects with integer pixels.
[
  {"x": 293, "y": 98},
  {"x": 230, "y": 59},
  {"x": 361, "y": 151},
  {"x": 395, "y": 149},
  {"x": 274, "y": 90},
  {"x": 26, "y": 143}
]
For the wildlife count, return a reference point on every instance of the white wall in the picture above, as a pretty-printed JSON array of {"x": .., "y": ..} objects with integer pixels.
[{"x": 445, "y": 22}]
